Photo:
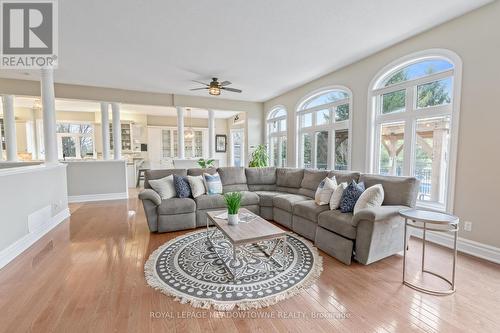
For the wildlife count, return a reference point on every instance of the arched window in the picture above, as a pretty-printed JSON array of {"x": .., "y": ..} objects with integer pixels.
[
  {"x": 413, "y": 111},
  {"x": 276, "y": 129},
  {"x": 324, "y": 124}
]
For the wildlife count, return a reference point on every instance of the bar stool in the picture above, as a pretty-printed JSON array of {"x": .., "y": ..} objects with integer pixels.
[{"x": 141, "y": 173}]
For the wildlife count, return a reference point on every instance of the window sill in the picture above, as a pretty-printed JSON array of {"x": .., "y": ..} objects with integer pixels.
[{"x": 432, "y": 206}]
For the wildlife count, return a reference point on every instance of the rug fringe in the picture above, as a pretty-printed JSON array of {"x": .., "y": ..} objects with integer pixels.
[{"x": 157, "y": 284}]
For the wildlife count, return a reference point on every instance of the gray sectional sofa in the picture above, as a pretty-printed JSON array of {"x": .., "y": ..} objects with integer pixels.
[{"x": 285, "y": 195}]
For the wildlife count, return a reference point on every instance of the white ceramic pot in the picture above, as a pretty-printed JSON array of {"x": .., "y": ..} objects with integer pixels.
[{"x": 232, "y": 219}]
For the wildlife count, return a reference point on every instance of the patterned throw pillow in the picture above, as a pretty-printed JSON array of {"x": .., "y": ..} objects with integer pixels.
[
  {"x": 163, "y": 186},
  {"x": 213, "y": 183},
  {"x": 325, "y": 190},
  {"x": 350, "y": 196},
  {"x": 182, "y": 188},
  {"x": 197, "y": 185}
]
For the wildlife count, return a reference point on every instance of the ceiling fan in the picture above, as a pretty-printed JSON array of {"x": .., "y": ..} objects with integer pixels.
[{"x": 214, "y": 87}]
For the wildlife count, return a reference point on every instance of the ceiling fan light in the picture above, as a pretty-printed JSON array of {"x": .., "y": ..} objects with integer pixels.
[{"x": 215, "y": 91}]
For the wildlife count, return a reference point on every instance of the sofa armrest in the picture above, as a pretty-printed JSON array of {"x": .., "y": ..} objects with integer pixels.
[
  {"x": 149, "y": 194},
  {"x": 377, "y": 213}
]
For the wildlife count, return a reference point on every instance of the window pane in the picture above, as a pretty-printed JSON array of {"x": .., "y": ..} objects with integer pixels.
[
  {"x": 68, "y": 146},
  {"x": 322, "y": 117},
  {"x": 328, "y": 97},
  {"x": 273, "y": 126},
  {"x": 342, "y": 112},
  {"x": 62, "y": 128},
  {"x": 434, "y": 93},
  {"x": 277, "y": 113},
  {"x": 283, "y": 151},
  {"x": 306, "y": 149},
  {"x": 391, "y": 149},
  {"x": 237, "y": 148},
  {"x": 306, "y": 120},
  {"x": 418, "y": 70},
  {"x": 322, "y": 150},
  {"x": 431, "y": 158},
  {"x": 86, "y": 146},
  {"x": 165, "y": 137},
  {"x": 282, "y": 125},
  {"x": 394, "y": 101},
  {"x": 198, "y": 144},
  {"x": 341, "y": 149},
  {"x": 275, "y": 151}
]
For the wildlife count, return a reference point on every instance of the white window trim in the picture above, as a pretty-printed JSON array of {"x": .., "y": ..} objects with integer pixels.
[
  {"x": 331, "y": 128},
  {"x": 372, "y": 127},
  {"x": 279, "y": 134},
  {"x": 77, "y": 137}
]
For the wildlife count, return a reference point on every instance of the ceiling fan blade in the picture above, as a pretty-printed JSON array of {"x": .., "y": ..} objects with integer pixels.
[
  {"x": 204, "y": 88},
  {"x": 225, "y": 83},
  {"x": 201, "y": 82},
  {"x": 232, "y": 89}
]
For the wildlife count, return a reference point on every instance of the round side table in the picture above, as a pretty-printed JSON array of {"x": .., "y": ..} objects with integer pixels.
[{"x": 439, "y": 222}]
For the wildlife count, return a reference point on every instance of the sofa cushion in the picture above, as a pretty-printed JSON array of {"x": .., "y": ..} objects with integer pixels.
[
  {"x": 311, "y": 181},
  {"x": 262, "y": 187},
  {"x": 344, "y": 176},
  {"x": 233, "y": 179},
  {"x": 397, "y": 190},
  {"x": 206, "y": 201},
  {"x": 157, "y": 174},
  {"x": 164, "y": 186},
  {"x": 287, "y": 177},
  {"x": 175, "y": 206},
  {"x": 200, "y": 171},
  {"x": 261, "y": 176},
  {"x": 309, "y": 210},
  {"x": 338, "y": 222},
  {"x": 286, "y": 201},
  {"x": 266, "y": 197}
]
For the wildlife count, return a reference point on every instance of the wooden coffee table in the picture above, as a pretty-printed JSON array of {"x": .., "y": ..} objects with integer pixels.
[{"x": 243, "y": 235}]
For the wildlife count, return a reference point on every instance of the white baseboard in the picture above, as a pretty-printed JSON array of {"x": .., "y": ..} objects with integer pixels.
[
  {"x": 97, "y": 197},
  {"x": 12, "y": 251},
  {"x": 473, "y": 248}
]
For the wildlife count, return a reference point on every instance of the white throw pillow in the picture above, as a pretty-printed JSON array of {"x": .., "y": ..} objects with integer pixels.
[
  {"x": 337, "y": 195},
  {"x": 197, "y": 185},
  {"x": 371, "y": 197},
  {"x": 164, "y": 186},
  {"x": 213, "y": 183},
  {"x": 325, "y": 190}
]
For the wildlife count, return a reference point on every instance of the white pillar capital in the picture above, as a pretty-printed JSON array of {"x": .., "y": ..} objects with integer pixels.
[
  {"x": 49, "y": 115},
  {"x": 105, "y": 130},
  {"x": 9, "y": 123},
  {"x": 117, "y": 131},
  {"x": 180, "y": 133},
  {"x": 211, "y": 134}
]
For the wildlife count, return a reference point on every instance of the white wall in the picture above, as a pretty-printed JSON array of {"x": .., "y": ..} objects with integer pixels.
[
  {"x": 39, "y": 191},
  {"x": 475, "y": 37}
]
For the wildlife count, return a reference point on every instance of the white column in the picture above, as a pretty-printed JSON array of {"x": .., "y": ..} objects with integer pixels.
[
  {"x": 180, "y": 132},
  {"x": 49, "y": 115},
  {"x": 9, "y": 123},
  {"x": 105, "y": 130},
  {"x": 117, "y": 131},
  {"x": 211, "y": 134}
]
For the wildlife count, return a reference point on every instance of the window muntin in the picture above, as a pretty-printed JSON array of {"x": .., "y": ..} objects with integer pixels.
[
  {"x": 276, "y": 139},
  {"x": 319, "y": 119},
  {"x": 75, "y": 140},
  {"x": 414, "y": 107}
]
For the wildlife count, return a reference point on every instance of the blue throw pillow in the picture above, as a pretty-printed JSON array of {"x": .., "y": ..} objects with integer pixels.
[
  {"x": 350, "y": 196},
  {"x": 182, "y": 188}
]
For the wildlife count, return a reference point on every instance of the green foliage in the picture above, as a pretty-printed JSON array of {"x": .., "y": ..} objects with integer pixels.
[
  {"x": 260, "y": 158},
  {"x": 342, "y": 112},
  {"x": 204, "y": 164},
  {"x": 233, "y": 202}
]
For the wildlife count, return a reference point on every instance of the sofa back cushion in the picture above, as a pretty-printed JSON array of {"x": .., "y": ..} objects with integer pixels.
[
  {"x": 158, "y": 174},
  {"x": 397, "y": 190},
  {"x": 200, "y": 171},
  {"x": 233, "y": 179},
  {"x": 289, "y": 180},
  {"x": 261, "y": 179},
  {"x": 310, "y": 181},
  {"x": 344, "y": 176}
]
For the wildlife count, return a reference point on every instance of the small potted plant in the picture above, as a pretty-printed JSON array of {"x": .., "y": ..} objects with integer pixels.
[
  {"x": 205, "y": 164},
  {"x": 233, "y": 202}
]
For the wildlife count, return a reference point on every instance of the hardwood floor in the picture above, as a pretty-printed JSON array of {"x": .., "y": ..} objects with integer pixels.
[{"x": 87, "y": 275}]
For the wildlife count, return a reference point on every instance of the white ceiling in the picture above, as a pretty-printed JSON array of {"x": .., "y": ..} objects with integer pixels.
[
  {"x": 264, "y": 47},
  {"x": 90, "y": 106}
]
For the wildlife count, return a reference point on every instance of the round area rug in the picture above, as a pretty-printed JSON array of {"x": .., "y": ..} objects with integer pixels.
[{"x": 188, "y": 269}]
